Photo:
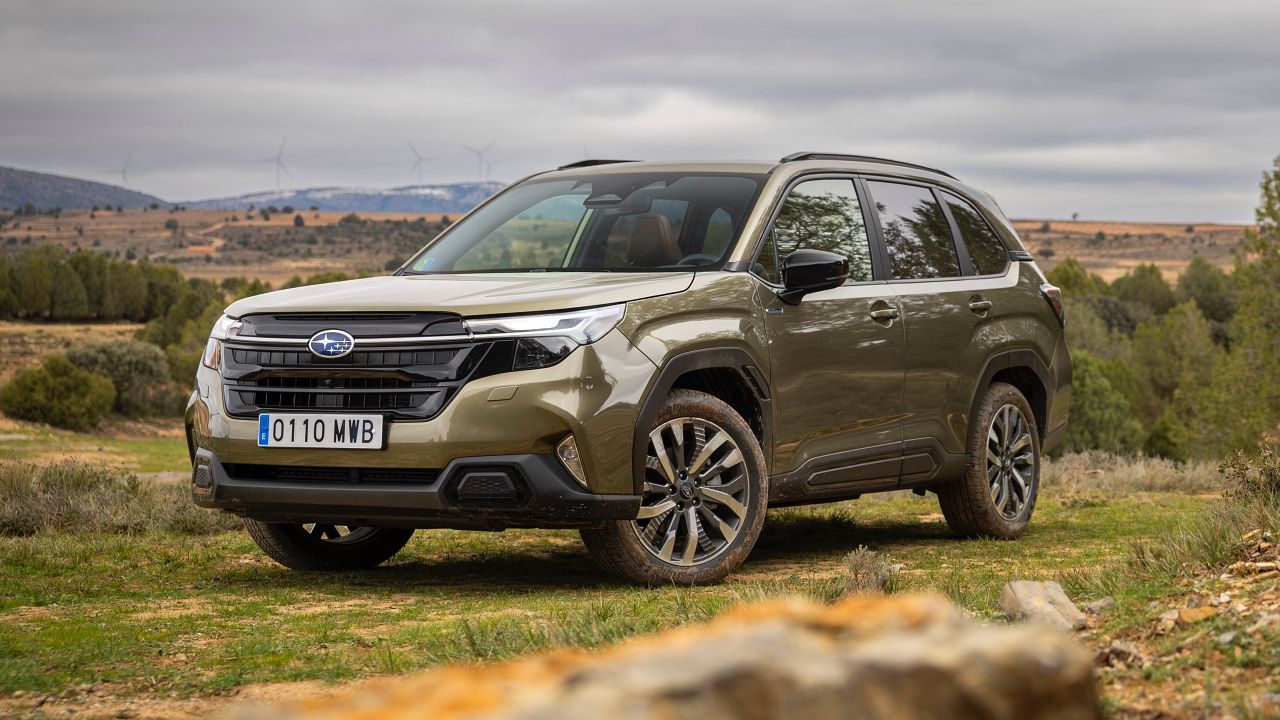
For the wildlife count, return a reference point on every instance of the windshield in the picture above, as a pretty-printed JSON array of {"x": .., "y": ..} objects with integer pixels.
[{"x": 629, "y": 222}]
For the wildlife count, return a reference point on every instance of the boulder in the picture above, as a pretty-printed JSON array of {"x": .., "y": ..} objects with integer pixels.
[
  {"x": 869, "y": 657},
  {"x": 1040, "y": 602}
]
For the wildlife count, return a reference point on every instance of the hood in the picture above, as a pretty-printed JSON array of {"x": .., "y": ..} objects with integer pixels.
[{"x": 467, "y": 295}]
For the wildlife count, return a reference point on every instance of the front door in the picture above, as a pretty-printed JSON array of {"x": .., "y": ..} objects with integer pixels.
[{"x": 836, "y": 358}]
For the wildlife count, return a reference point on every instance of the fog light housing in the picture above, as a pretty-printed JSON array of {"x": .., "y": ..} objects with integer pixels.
[{"x": 567, "y": 451}]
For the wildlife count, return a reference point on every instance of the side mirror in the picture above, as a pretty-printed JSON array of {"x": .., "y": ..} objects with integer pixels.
[{"x": 807, "y": 271}]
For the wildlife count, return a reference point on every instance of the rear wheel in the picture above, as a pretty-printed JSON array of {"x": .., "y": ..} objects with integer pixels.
[
  {"x": 319, "y": 546},
  {"x": 997, "y": 495},
  {"x": 703, "y": 503}
]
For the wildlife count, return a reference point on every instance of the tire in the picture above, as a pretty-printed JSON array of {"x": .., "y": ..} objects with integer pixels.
[
  {"x": 722, "y": 492},
  {"x": 990, "y": 501},
  {"x": 325, "y": 547}
]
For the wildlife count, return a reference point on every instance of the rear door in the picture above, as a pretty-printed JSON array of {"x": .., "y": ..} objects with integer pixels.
[
  {"x": 836, "y": 358},
  {"x": 944, "y": 314}
]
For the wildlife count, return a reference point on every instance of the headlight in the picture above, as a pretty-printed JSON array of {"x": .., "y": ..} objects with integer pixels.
[
  {"x": 544, "y": 340},
  {"x": 582, "y": 326},
  {"x": 225, "y": 327}
]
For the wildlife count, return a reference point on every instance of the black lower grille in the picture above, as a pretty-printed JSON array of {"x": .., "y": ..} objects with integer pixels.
[{"x": 291, "y": 473}]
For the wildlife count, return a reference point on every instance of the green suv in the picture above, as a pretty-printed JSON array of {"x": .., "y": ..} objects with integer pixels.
[{"x": 650, "y": 353}]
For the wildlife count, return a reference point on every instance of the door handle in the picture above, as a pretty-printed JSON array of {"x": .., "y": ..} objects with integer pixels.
[
  {"x": 884, "y": 314},
  {"x": 980, "y": 306}
]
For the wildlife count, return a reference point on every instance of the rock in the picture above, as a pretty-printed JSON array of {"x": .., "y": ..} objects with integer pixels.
[
  {"x": 1097, "y": 607},
  {"x": 1226, "y": 638},
  {"x": 1042, "y": 602},
  {"x": 1120, "y": 654},
  {"x": 1191, "y": 616},
  {"x": 900, "y": 657},
  {"x": 1167, "y": 621}
]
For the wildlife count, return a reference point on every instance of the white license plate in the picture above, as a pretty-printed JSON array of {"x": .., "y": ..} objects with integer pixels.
[{"x": 320, "y": 430}]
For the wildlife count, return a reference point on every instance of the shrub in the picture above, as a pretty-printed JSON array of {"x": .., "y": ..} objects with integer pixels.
[
  {"x": 138, "y": 370},
  {"x": 1101, "y": 416},
  {"x": 868, "y": 571},
  {"x": 79, "y": 497},
  {"x": 60, "y": 394}
]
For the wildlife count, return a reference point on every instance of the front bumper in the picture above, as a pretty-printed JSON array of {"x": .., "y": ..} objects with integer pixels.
[{"x": 493, "y": 493}]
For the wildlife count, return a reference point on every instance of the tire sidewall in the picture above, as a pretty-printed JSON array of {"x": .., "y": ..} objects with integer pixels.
[{"x": 997, "y": 396}]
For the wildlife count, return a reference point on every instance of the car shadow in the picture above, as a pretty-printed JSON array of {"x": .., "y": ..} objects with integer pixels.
[{"x": 790, "y": 538}]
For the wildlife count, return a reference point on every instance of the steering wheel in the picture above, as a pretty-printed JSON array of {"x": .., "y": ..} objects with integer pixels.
[{"x": 698, "y": 259}]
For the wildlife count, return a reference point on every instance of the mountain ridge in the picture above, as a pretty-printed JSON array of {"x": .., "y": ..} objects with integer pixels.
[{"x": 45, "y": 191}]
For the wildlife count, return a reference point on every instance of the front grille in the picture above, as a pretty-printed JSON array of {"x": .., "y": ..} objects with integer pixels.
[
  {"x": 290, "y": 473},
  {"x": 413, "y": 380}
]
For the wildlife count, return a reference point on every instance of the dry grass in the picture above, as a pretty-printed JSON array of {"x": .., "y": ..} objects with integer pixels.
[
  {"x": 75, "y": 497},
  {"x": 1100, "y": 473},
  {"x": 25, "y": 344}
]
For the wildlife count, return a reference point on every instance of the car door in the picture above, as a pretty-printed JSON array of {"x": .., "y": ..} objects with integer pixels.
[
  {"x": 943, "y": 312},
  {"x": 836, "y": 358}
]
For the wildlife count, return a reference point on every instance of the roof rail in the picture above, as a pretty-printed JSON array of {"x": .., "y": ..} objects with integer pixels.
[
  {"x": 592, "y": 163},
  {"x": 860, "y": 158}
]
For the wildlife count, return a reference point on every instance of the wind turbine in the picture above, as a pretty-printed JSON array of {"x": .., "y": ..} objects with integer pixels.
[
  {"x": 488, "y": 167},
  {"x": 479, "y": 153},
  {"x": 124, "y": 171},
  {"x": 279, "y": 163},
  {"x": 418, "y": 162}
]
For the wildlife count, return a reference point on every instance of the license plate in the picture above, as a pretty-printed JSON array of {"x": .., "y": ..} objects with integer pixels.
[{"x": 319, "y": 430}]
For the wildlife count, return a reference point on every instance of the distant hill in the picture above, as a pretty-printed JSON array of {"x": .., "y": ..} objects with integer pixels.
[
  {"x": 45, "y": 191},
  {"x": 444, "y": 198}
]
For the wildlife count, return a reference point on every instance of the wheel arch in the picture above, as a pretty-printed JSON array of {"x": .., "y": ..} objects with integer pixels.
[
  {"x": 730, "y": 374},
  {"x": 1025, "y": 370}
]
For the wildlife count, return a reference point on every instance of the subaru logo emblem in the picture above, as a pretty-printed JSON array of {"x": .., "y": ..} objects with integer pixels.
[{"x": 331, "y": 343}]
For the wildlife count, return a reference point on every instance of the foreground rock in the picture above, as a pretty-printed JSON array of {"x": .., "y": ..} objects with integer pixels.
[
  {"x": 900, "y": 657},
  {"x": 1040, "y": 602}
]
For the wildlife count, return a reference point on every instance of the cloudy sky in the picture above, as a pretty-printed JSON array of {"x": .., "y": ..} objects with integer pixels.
[{"x": 1141, "y": 109}]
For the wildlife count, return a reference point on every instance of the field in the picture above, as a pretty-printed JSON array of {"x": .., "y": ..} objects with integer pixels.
[
  {"x": 217, "y": 244},
  {"x": 159, "y": 623},
  {"x": 1111, "y": 249},
  {"x": 24, "y": 344}
]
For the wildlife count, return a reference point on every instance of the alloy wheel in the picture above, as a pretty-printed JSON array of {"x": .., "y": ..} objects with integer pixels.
[
  {"x": 1011, "y": 461},
  {"x": 338, "y": 534},
  {"x": 695, "y": 495}
]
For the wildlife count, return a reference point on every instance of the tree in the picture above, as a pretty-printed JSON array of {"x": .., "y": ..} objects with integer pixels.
[
  {"x": 1073, "y": 279},
  {"x": 1210, "y": 288},
  {"x": 68, "y": 301},
  {"x": 1175, "y": 356},
  {"x": 1246, "y": 387},
  {"x": 298, "y": 221},
  {"x": 1101, "y": 418},
  {"x": 34, "y": 279},
  {"x": 171, "y": 225},
  {"x": 1145, "y": 284}
]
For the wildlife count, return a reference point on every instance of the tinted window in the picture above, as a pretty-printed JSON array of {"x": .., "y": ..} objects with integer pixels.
[
  {"x": 916, "y": 233},
  {"x": 988, "y": 254},
  {"x": 822, "y": 215}
]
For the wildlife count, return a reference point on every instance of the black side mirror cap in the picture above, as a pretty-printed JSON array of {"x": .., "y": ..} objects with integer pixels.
[{"x": 807, "y": 271}]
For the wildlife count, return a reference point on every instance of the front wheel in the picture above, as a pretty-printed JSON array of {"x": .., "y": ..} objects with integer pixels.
[
  {"x": 318, "y": 546},
  {"x": 703, "y": 503},
  {"x": 997, "y": 495}
]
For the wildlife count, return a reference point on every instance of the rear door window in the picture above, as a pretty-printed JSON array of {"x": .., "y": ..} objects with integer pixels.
[
  {"x": 987, "y": 253},
  {"x": 916, "y": 232}
]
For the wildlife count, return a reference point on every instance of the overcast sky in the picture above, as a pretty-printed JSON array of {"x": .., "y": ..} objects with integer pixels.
[{"x": 1134, "y": 109}]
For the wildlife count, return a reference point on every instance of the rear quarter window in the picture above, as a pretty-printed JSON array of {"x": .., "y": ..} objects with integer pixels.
[
  {"x": 916, "y": 232},
  {"x": 986, "y": 251}
]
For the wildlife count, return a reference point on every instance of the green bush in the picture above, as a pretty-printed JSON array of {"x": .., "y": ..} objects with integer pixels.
[
  {"x": 60, "y": 394},
  {"x": 1101, "y": 417},
  {"x": 79, "y": 497},
  {"x": 138, "y": 371}
]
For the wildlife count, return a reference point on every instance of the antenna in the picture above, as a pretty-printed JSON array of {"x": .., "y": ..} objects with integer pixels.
[
  {"x": 418, "y": 162},
  {"x": 278, "y": 160},
  {"x": 479, "y": 153}
]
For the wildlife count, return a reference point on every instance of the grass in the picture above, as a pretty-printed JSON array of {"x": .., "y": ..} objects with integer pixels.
[
  {"x": 153, "y": 446},
  {"x": 185, "y": 614}
]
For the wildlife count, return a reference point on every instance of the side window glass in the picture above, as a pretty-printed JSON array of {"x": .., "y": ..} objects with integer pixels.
[
  {"x": 825, "y": 215},
  {"x": 916, "y": 233},
  {"x": 986, "y": 251}
]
